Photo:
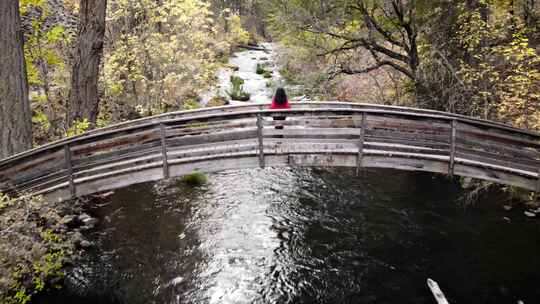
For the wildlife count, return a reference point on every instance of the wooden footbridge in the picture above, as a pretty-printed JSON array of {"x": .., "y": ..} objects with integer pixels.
[{"x": 317, "y": 134}]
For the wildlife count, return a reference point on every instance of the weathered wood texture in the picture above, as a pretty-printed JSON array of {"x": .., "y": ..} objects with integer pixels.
[{"x": 314, "y": 134}]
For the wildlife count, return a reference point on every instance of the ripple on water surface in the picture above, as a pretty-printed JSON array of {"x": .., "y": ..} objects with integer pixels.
[{"x": 304, "y": 236}]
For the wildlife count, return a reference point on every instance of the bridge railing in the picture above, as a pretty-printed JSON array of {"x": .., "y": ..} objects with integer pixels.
[{"x": 314, "y": 134}]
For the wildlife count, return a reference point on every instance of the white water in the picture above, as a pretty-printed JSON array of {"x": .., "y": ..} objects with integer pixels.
[{"x": 255, "y": 84}]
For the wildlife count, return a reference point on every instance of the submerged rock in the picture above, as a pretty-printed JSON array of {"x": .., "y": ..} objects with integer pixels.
[
  {"x": 87, "y": 221},
  {"x": 529, "y": 214}
]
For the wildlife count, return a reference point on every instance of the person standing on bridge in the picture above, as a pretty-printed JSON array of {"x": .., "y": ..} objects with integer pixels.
[{"x": 280, "y": 102}]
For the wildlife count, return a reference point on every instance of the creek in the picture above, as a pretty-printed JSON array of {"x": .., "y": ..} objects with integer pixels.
[{"x": 260, "y": 88}]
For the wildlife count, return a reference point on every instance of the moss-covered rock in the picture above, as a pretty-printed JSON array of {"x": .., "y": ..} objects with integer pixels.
[
  {"x": 194, "y": 178},
  {"x": 237, "y": 89},
  {"x": 217, "y": 101}
]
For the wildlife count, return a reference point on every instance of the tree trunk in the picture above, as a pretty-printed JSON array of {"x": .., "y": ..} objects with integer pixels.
[
  {"x": 84, "y": 99},
  {"x": 15, "y": 114}
]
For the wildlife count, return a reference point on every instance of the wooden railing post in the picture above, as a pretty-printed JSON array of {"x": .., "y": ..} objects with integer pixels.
[
  {"x": 164, "y": 157},
  {"x": 361, "y": 143},
  {"x": 260, "y": 137},
  {"x": 538, "y": 186},
  {"x": 69, "y": 168},
  {"x": 451, "y": 162}
]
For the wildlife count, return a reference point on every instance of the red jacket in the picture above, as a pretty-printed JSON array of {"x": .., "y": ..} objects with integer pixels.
[{"x": 276, "y": 106}]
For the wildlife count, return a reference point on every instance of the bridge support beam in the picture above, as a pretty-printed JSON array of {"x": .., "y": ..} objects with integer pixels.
[
  {"x": 261, "y": 143},
  {"x": 163, "y": 135},
  {"x": 361, "y": 143},
  {"x": 69, "y": 169},
  {"x": 451, "y": 162}
]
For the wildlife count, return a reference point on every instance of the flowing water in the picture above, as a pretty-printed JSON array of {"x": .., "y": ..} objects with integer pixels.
[
  {"x": 305, "y": 236},
  {"x": 260, "y": 88}
]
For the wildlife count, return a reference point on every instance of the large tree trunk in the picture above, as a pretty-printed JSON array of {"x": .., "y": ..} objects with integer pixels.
[
  {"x": 15, "y": 114},
  {"x": 84, "y": 99}
]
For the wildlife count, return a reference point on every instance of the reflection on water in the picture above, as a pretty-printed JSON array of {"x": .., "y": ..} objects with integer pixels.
[{"x": 305, "y": 236}]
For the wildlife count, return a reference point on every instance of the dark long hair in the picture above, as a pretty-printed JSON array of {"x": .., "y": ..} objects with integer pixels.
[{"x": 281, "y": 96}]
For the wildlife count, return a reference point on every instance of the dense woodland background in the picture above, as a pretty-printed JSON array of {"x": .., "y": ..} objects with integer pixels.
[
  {"x": 67, "y": 66},
  {"x": 92, "y": 63}
]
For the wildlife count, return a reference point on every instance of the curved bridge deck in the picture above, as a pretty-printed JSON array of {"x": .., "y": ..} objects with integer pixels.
[{"x": 314, "y": 134}]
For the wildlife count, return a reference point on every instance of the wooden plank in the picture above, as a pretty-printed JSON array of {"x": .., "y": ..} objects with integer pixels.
[
  {"x": 36, "y": 186},
  {"x": 314, "y": 122},
  {"x": 499, "y": 154},
  {"x": 522, "y": 152},
  {"x": 117, "y": 180},
  {"x": 410, "y": 135},
  {"x": 452, "y": 148},
  {"x": 172, "y": 151},
  {"x": 248, "y": 153},
  {"x": 404, "y": 142},
  {"x": 500, "y": 136},
  {"x": 504, "y": 159},
  {"x": 205, "y": 128},
  {"x": 69, "y": 168},
  {"x": 492, "y": 174},
  {"x": 497, "y": 161},
  {"x": 397, "y": 123},
  {"x": 316, "y": 160},
  {"x": 117, "y": 156},
  {"x": 492, "y": 167},
  {"x": 22, "y": 178},
  {"x": 59, "y": 173},
  {"x": 213, "y": 150},
  {"x": 313, "y": 132},
  {"x": 217, "y": 137},
  {"x": 114, "y": 144},
  {"x": 123, "y": 171},
  {"x": 164, "y": 151},
  {"x": 126, "y": 164},
  {"x": 260, "y": 136},
  {"x": 43, "y": 161},
  {"x": 300, "y": 147},
  {"x": 361, "y": 143},
  {"x": 405, "y": 148}
]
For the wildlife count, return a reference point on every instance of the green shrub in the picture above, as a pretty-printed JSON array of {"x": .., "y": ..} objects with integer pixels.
[
  {"x": 260, "y": 69},
  {"x": 34, "y": 248},
  {"x": 236, "y": 81},
  {"x": 194, "y": 178},
  {"x": 191, "y": 104},
  {"x": 267, "y": 74},
  {"x": 289, "y": 76},
  {"x": 78, "y": 127},
  {"x": 237, "y": 91}
]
